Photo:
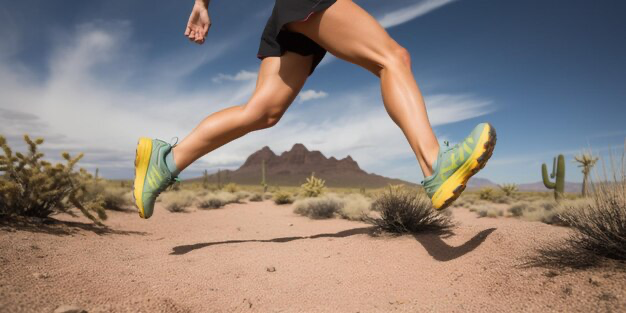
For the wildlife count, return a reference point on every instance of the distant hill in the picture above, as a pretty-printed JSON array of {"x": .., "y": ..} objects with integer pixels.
[
  {"x": 291, "y": 168},
  {"x": 477, "y": 183}
]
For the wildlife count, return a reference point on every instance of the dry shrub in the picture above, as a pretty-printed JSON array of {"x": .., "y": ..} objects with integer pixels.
[
  {"x": 257, "y": 197},
  {"x": 490, "y": 212},
  {"x": 600, "y": 224},
  {"x": 540, "y": 210},
  {"x": 318, "y": 207},
  {"x": 231, "y": 187},
  {"x": 355, "y": 207},
  {"x": 178, "y": 201},
  {"x": 216, "y": 200},
  {"x": 282, "y": 197},
  {"x": 405, "y": 211}
]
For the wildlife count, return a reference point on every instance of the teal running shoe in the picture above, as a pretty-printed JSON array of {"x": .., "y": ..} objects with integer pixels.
[
  {"x": 152, "y": 175},
  {"x": 455, "y": 165}
]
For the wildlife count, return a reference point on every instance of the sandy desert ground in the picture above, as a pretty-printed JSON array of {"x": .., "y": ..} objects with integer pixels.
[{"x": 260, "y": 257}]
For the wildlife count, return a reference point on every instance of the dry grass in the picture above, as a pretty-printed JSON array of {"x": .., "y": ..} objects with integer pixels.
[
  {"x": 405, "y": 211},
  {"x": 318, "y": 207},
  {"x": 355, "y": 207},
  {"x": 257, "y": 197},
  {"x": 178, "y": 201},
  {"x": 282, "y": 197},
  {"x": 218, "y": 199}
]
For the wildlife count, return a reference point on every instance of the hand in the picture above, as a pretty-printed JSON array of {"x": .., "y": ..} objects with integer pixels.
[{"x": 199, "y": 23}]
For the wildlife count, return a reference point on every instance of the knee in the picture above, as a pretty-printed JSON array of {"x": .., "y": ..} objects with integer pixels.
[
  {"x": 263, "y": 118},
  {"x": 395, "y": 56}
]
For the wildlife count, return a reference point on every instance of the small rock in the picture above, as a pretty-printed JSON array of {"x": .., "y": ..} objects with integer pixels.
[
  {"x": 41, "y": 275},
  {"x": 271, "y": 269},
  {"x": 290, "y": 224},
  {"x": 594, "y": 281},
  {"x": 69, "y": 309}
]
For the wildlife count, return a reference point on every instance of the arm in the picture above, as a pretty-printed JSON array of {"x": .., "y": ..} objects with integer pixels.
[{"x": 199, "y": 22}]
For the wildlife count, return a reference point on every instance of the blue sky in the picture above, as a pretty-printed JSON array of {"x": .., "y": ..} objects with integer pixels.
[{"x": 93, "y": 76}]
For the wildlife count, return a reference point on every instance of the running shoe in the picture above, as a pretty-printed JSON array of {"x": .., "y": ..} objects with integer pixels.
[
  {"x": 455, "y": 165},
  {"x": 152, "y": 175}
]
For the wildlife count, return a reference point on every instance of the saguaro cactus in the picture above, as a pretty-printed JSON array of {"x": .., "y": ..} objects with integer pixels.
[
  {"x": 263, "y": 183},
  {"x": 558, "y": 172},
  {"x": 205, "y": 179}
]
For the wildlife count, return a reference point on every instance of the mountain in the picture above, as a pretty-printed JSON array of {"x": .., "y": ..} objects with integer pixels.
[
  {"x": 291, "y": 168},
  {"x": 478, "y": 183}
]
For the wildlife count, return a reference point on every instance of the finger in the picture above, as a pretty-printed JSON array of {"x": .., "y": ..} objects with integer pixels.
[
  {"x": 187, "y": 30},
  {"x": 205, "y": 29}
]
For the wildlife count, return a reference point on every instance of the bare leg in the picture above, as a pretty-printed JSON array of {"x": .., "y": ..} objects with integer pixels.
[
  {"x": 350, "y": 33},
  {"x": 279, "y": 81}
]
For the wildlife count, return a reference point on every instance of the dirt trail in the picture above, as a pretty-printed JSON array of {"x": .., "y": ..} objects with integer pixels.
[{"x": 259, "y": 257}]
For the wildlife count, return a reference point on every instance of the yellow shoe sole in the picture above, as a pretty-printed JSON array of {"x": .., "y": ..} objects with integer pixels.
[
  {"x": 452, "y": 188},
  {"x": 142, "y": 161}
]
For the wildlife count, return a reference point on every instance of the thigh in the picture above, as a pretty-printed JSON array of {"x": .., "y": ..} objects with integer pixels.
[
  {"x": 279, "y": 81},
  {"x": 348, "y": 32}
]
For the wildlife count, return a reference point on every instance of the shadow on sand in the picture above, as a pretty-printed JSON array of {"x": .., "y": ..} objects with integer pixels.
[
  {"x": 441, "y": 251},
  {"x": 432, "y": 242},
  {"x": 179, "y": 250},
  {"x": 57, "y": 227}
]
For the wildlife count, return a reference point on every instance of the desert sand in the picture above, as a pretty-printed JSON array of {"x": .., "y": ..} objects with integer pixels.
[{"x": 260, "y": 257}]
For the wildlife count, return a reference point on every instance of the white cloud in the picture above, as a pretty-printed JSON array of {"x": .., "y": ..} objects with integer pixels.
[
  {"x": 408, "y": 13},
  {"x": 243, "y": 75},
  {"x": 311, "y": 94}
]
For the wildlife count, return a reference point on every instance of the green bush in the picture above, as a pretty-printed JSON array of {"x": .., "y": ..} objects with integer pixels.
[
  {"x": 30, "y": 186},
  {"x": 318, "y": 207},
  {"x": 404, "y": 211},
  {"x": 313, "y": 186},
  {"x": 281, "y": 197}
]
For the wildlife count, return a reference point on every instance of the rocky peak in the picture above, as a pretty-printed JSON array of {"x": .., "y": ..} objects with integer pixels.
[{"x": 264, "y": 154}]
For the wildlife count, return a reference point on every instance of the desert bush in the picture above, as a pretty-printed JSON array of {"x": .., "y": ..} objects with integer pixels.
[
  {"x": 268, "y": 195},
  {"x": 242, "y": 195},
  {"x": 313, "y": 187},
  {"x": 509, "y": 189},
  {"x": 600, "y": 223},
  {"x": 490, "y": 212},
  {"x": 486, "y": 194},
  {"x": 318, "y": 207},
  {"x": 30, "y": 186},
  {"x": 216, "y": 200},
  {"x": 231, "y": 187},
  {"x": 355, "y": 207},
  {"x": 541, "y": 210},
  {"x": 257, "y": 197},
  {"x": 115, "y": 198},
  {"x": 282, "y": 197},
  {"x": 402, "y": 211},
  {"x": 178, "y": 201}
]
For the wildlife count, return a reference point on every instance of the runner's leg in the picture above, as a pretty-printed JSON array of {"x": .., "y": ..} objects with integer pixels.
[
  {"x": 278, "y": 83},
  {"x": 350, "y": 33}
]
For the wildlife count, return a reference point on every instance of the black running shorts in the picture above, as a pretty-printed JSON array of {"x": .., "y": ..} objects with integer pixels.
[{"x": 276, "y": 40}]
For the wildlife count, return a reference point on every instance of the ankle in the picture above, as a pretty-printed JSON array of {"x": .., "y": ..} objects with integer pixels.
[{"x": 171, "y": 164}]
